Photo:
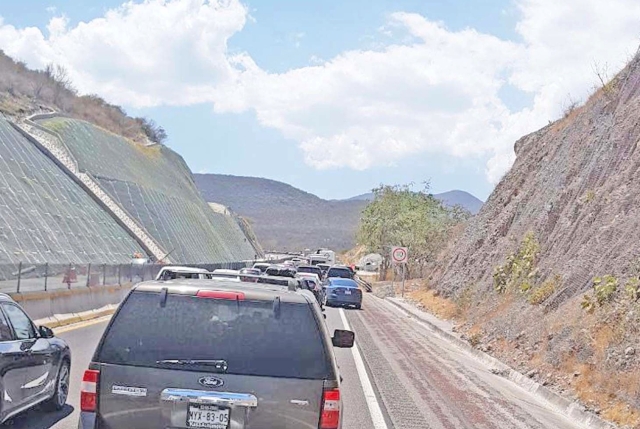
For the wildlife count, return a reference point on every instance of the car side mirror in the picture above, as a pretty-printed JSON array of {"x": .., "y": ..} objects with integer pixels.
[
  {"x": 46, "y": 332},
  {"x": 343, "y": 339}
]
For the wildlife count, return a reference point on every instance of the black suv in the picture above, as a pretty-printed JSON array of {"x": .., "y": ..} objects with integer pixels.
[
  {"x": 34, "y": 365},
  {"x": 215, "y": 355}
]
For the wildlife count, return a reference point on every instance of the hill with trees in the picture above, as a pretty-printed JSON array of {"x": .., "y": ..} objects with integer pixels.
[
  {"x": 284, "y": 217},
  {"x": 287, "y": 218}
]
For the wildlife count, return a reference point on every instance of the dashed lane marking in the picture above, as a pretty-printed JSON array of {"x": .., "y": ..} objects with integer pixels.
[{"x": 367, "y": 387}]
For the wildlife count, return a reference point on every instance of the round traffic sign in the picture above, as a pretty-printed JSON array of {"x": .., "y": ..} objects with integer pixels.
[{"x": 399, "y": 255}]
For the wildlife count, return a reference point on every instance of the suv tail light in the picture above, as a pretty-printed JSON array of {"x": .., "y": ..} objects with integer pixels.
[
  {"x": 330, "y": 417},
  {"x": 89, "y": 391},
  {"x": 221, "y": 294}
]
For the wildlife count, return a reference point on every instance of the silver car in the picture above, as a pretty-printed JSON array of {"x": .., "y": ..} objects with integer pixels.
[{"x": 215, "y": 355}]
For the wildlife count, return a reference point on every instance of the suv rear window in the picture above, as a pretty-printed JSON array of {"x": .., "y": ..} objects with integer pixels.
[
  {"x": 246, "y": 334},
  {"x": 344, "y": 273},
  {"x": 312, "y": 270}
]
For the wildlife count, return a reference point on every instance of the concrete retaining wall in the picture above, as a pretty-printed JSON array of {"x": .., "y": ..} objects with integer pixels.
[{"x": 42, "y": 305}]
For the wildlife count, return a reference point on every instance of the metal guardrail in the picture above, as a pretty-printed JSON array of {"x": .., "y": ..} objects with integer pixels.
[
  {"x": 364, "y": 284},
  {"x": 25, "y": 277}
]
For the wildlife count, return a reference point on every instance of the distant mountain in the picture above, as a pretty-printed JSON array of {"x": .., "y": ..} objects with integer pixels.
[
  {"x": 284, "y": 217},
  {"x": 287, "y": 218},
  {"x": 460, "y": 198},
  {"x": 363, "y": 197},
  {"x": 450, "y": 198}
]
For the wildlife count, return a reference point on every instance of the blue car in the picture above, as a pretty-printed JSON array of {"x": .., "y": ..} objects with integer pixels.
[{"x": 343, "y": 292}]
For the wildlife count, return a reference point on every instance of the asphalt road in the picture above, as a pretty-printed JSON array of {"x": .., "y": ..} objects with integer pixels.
[{"x": 416, "y": 380}]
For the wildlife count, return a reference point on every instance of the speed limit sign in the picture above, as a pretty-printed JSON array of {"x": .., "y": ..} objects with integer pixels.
[{"x": 399, "y": 255}]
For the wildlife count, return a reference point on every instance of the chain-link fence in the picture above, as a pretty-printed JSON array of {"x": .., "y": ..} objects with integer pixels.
[{"x": 25, "y": 278}]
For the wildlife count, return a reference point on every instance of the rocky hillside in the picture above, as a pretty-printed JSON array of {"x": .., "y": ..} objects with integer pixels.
[{"x": 546, "y": 275}]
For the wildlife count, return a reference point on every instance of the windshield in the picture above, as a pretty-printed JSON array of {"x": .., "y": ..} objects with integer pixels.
[{"x": 191, "y": 328}]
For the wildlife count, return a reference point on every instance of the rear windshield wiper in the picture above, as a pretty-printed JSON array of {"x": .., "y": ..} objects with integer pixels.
[{"x": 218, "y": 364}]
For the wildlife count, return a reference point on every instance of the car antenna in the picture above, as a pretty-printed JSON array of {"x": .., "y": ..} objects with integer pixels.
[
  {"x": 276, "y": 307},
  {"x": 163, "y": 296}
]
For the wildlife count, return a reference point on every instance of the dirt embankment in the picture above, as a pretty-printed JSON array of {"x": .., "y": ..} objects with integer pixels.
[{"x": 546, "y": 276}]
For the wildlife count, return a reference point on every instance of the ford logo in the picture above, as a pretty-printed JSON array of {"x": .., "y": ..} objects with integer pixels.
[{"x": 211, "y": 382}]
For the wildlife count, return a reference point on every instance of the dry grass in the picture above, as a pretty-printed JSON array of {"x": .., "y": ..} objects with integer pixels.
[
  {"x": 24, "y": 91},
  {"x": 504, "y": 306},
  {"x": 595, "y": 383},
  {"x": 570, "y": 116},
  {"x": 442, "y": 307},
  {"x": 622, "y": 414},
  {"x": 607, "y": 390},
  {"x": 544, "y": 291}
]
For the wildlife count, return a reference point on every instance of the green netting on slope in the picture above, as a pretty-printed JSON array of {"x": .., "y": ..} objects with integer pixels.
[
  {"x": 46, "y": 217},
  {"x": 231, "y": 231},
  {"x": 155, "y": 186}
]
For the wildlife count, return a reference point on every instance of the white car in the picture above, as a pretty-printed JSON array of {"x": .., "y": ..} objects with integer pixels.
[
  {"x": 175, "y": 272},
  {"x": 312, "y": 276},
  {"x": 262, "y": 266},
  {"x": 226, "y": 274}
]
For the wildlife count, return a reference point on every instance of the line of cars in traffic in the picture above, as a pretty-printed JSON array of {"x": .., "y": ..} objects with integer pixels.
[
  {"x": 217, "y": 350},
  {"x": 221, "y": 350},
  {"x": 332, "y": 285}
]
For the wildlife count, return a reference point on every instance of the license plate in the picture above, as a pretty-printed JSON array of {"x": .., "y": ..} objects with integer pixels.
[
  {"x": 208, "y": 416},
  {"x": 347, "y": 292}
]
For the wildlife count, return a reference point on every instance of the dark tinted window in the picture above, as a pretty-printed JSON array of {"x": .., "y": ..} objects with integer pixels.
[
  {"x": 21, "y": 323},
  {"x": 313, "y": 270},
  {"x": 344, "y": 273},
  {"x": 343, "y": 283},
  {"x": 5, "y": 329},
  {"x": 172, "y": 275},
  {"x": 246, "y": 334}
]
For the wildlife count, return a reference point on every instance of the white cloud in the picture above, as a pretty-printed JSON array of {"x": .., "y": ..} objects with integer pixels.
[
  {"x": 428, "y": 90},
  {"x": 440, "y": 92},
  {"x": 140, "y": 54}
]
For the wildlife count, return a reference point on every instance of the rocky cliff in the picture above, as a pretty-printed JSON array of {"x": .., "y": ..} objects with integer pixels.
[{"x": 546, "y": 275}]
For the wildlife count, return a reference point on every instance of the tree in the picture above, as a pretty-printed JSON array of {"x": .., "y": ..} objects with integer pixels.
[
  {"x": 61, "y": 82},
  {"x": 153, "y": 131},
  {"x": 401, "y": 216}
]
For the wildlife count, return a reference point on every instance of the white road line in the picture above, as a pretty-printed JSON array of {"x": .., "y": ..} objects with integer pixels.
[{"x": 367, "y": 387}]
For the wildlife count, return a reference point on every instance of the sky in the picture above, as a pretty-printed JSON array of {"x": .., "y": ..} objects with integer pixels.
[{"x": 335, "y": 97}]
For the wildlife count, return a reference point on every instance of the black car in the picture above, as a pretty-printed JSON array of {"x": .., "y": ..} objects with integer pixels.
[
  {"x": 313, "y": 269},
  {"x": 34, "y": 364},
  {"x": 340, "y": 271},
  {"x": 281, "y": 271}
]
